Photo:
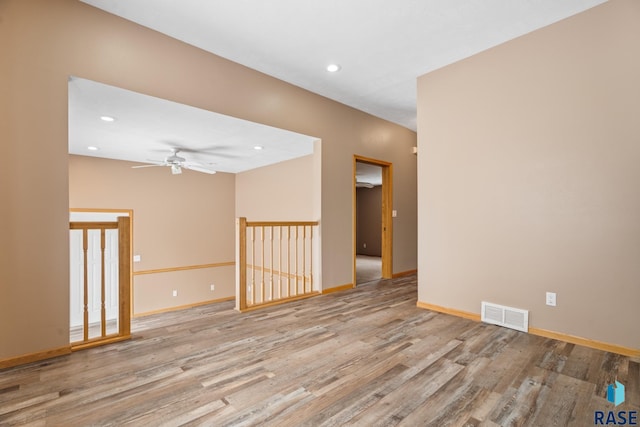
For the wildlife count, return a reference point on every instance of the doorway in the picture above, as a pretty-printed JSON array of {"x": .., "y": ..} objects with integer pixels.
[{"x": 373, "y": 229}]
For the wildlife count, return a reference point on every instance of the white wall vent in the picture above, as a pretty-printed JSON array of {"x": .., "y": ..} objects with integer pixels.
[{"x": 508, "y": 317}]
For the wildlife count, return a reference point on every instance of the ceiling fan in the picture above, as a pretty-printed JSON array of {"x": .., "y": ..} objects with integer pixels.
[{"x": 177, "y": 163}]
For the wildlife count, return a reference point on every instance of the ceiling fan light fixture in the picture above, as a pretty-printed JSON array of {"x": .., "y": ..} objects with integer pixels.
[
  {"x": 176, "y": 169},
  {"x": 258, "y": 147},
  {"x": 107, "y": 119}
]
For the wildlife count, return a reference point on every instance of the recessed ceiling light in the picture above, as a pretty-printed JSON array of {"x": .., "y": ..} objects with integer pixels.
[
  {"x": 92, "y": 148},
  {"x": 107, "y": 118},
  {"x": 258, "y": 147},
  {"x": 332, "y": 68}
]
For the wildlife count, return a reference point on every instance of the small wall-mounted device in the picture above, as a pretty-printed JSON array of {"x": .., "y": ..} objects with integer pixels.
[{"x": 551, "y": 299}]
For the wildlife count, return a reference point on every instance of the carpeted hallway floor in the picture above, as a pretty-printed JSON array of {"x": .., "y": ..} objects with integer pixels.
[{"x": 368, "y": 268}]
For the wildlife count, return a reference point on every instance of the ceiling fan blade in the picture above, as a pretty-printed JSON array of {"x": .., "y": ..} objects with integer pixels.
[
  {"x": 198, "y": 168},
  {"x": 153, "y": 163},
  {"x": 172, "y": 145},
  {"x": 145, "y": 166}
]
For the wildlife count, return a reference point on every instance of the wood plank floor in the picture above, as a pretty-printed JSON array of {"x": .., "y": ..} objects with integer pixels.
[{"x": 364, "y": 357}]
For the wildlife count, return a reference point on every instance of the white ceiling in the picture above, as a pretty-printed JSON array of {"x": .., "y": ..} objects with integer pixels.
[
  {"x": 147, "y": 128},
  {"x": 381, "y": 45}
]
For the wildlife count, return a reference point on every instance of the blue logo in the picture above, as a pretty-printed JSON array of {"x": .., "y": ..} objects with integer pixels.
[{"x": 615, "y": 393}]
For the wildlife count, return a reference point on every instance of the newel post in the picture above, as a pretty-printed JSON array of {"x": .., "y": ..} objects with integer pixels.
[
  {"x": 124, "y": 272},
  {"x": 241, "y": 263}
]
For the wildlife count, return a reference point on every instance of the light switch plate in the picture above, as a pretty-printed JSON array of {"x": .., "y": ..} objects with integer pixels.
[{"x": 551, "y": 299}]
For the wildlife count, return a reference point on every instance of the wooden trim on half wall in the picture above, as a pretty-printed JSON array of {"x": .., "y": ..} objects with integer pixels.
[{"x": 187, "y": 267}]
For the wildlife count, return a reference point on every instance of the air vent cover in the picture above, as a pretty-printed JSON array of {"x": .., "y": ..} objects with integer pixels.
[{"x": 508, "y": 317}]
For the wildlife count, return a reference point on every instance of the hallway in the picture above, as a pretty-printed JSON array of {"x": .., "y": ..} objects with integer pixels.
[{"x": 368, "y": 268}]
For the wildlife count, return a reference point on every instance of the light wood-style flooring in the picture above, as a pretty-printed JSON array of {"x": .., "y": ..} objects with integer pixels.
[{"x": 363, "y": 357}]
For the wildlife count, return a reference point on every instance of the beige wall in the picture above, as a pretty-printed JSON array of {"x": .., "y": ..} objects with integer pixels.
[
  {"x": 178, "y": 221},
  {"x": 44, "y": 42},
  {"x": 369, "y": 221},
  {"x": 528, "y": 158},
  {"x": 284, "y": 191}
]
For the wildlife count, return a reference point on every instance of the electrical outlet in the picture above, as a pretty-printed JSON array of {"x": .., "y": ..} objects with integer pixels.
[
  {"x": 175, "y": 293},
  {"x": 551, "y": 299},
  {"x": 364, "y": 245},
  {"x": 213, "y": 287},
  {"x": 136, "y": 258}
]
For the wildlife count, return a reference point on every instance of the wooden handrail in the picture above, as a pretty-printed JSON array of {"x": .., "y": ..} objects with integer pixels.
[
  {"x": 122, "y": 226},
  {"x": 281, "y": 223},
  {"x": 93, "y": 226},
  {"x": 263, "y": 245}
]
